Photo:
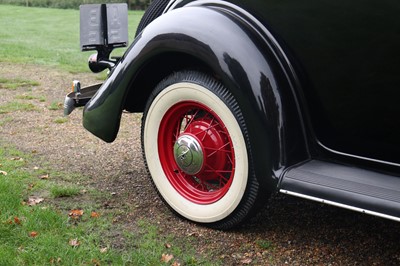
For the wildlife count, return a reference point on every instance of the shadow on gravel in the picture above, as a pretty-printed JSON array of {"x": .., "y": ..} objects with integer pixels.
[{"x": 325, "y": 234}]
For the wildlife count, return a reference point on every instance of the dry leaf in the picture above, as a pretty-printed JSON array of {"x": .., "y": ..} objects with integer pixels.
[
  {"x": 96, "y": 262},
  {"x": 3, "y": 172},
  {"x": 94, "y": 215},
  {"x": 176, "y": 264},
  {"x": 32, "y": 201},
  {"x": 17, "y": 220},
  {"x": 246, "y": 261},
  {"x": 74, "y": 242},
  {"x": 166, "y": 257},
  {"x": 46, "y": 176},
  {"x": 75, "y": 214},
  {"x": 33, "y": 234},
  {"x": 103, "y": 250},
  {"x": 54, "y": 260},
  {"x": 16, "y": 159},
  {"x": 168, "y": 245}
]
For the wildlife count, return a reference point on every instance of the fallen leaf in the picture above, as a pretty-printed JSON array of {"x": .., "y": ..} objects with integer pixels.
[
  {"x": 96, "y": 262},
  {"x": 166, "y": 257},
  {"x": 30, "y": 186},
  {"x": 46, "y": 176},
  {"x": 75, "y": 214},
  {"x": 17, "y": 220},
  {"x": 54, "y": 260},
  {"x": 246, "y": 261},
  {"x": 176, "y": 264},
  {"x": 16, "y": 159},
  {"x": 74, "y": 242},
  {"x": 94, "y": 215},
  {"x": 168, "y": 245},
  {"x": 3, "y": 172},
  {"x": 33, "y": 234},
  {"x": 103, "y": 250},
  {"x": 194, "y": 234},
  {"x": 32, "y": 201}
]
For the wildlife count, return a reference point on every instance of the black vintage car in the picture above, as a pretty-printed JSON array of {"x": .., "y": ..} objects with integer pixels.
[{"x": 244, "y": 98}]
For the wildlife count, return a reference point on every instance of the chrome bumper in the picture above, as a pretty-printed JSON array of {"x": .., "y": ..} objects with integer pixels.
[{"x": 79, "y": 97}]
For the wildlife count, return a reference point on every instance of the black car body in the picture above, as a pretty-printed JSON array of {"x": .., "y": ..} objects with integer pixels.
[{"x": 311, "y": 88}]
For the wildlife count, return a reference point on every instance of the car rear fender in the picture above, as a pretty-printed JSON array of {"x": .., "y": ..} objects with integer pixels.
[{"x": 222, "y": 42}]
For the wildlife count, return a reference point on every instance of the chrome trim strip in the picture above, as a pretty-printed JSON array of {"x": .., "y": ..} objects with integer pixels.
[
  {"x": 336, "y": 204},
  {"x": 357, "y": 156}
]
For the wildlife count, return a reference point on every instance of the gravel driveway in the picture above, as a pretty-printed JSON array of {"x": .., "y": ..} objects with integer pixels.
[{"x": 288, "y": 231}]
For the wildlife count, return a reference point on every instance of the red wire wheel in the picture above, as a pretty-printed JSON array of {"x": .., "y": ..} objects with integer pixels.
[
  {"x": 196, "y": 152},
  {"x": 195, "y": 145}
]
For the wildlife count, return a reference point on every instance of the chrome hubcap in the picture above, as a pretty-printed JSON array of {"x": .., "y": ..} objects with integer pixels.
[{"x": 188, "y": 154}]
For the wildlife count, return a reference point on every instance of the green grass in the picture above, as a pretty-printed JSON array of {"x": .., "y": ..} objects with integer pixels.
[
  {"x": 5, "y": 120},
  {"x": 25, "y": 97},
  {"x": 47, "y": 36},
  {"x": 264, "y": 244},
  {"x": 41, "y": 234},
  {"x": 30, "y": 97},
  {"x": 146, "y": 253},
  {"x": 16, "y": 106},
  {"x": 16, "y": 83},
  {"x": 54, "y": 106},
  {"x": 72, "y": 4},
  {"x": 54, "y": 229},
  {"x": 64, "y": 191},
  {"x": 61, "y": 120}
]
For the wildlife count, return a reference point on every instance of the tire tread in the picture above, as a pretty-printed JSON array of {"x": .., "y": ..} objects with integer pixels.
[{"x": 253, "y": 197}]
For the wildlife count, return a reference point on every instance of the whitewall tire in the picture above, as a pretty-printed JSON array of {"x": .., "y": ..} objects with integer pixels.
[{"x": 196, "y": 152}]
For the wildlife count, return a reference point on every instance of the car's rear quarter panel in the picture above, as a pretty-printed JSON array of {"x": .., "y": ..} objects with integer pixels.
[{"x": 346, "y": 54}]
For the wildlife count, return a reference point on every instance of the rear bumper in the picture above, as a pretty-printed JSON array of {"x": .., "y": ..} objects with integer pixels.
[{"x": 79, "y": 98}]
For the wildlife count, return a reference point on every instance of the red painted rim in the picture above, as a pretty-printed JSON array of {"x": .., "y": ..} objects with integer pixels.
[{"x": 216, "y": 176}]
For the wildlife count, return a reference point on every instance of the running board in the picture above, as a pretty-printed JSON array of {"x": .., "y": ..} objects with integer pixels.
[{"x": 347, "y": 187}]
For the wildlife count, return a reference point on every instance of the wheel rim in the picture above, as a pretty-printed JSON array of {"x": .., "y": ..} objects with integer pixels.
[{"x": 196, "y": 152}]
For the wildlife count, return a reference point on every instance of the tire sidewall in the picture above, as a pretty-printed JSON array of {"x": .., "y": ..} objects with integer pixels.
[{"x": 167, "y": 97}]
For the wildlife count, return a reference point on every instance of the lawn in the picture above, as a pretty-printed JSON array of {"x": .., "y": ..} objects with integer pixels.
[
  {"x": 35, "y": 231},
  {"x": 47, "y": 36}
]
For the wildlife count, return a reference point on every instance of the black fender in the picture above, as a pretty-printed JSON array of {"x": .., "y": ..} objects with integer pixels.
[{"x": 223, "y": 42}]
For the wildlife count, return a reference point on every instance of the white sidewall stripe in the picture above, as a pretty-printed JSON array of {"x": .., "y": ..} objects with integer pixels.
[{"x": 167, "y": 98}]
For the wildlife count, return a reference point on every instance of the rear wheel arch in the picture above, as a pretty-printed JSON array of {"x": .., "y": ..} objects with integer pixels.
[
  {"x": 155, "y": 70},
  {"x": 256, "y": 77}
]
